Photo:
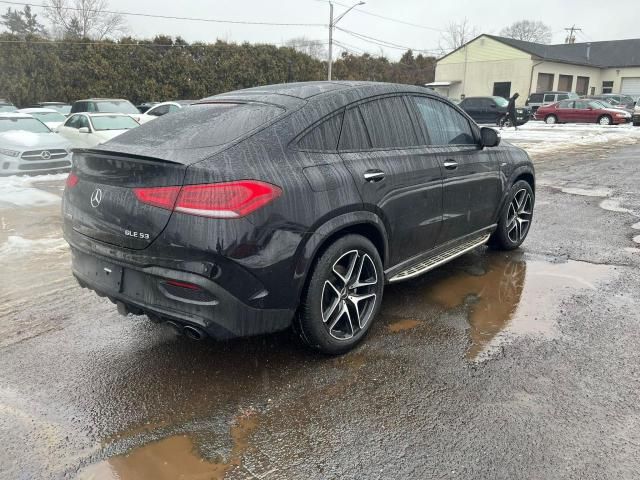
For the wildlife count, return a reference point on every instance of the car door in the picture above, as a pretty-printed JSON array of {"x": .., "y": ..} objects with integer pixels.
[
  {"x": 472, "y": 107},
  {"x": 490, "y": 111},
  {"x": 583, "y": 113},
  {"x": 69, "y": 129},
  {"x": 565, "y": 111},
  {"x": 396, "y": 175},
  {"x": 89, "y": 138},
  {"x": 471, "y": 174}
]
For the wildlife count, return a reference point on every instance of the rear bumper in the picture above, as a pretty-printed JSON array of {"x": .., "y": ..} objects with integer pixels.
[{"x": 211, "y": 307}]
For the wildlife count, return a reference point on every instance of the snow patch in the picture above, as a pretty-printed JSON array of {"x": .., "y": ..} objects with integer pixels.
[
  {"x": 613, "y": 205},
  {"x": 595, "y": 192},
  {"x": 19, "y": 246},
  {"x": 19, "y": 191},
  {"x": 636, "y": 226},
  {"x": 632, "y": 250},
  {"x": 636, "y": 239}
]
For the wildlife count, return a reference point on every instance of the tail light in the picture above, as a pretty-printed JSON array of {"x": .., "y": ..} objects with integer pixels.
[
  {"x": 215, "y": 200},
  {"x": 72, "y": 180}
]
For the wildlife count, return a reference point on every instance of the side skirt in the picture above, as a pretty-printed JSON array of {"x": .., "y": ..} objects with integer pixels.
[{"x": 439, "y": 257}]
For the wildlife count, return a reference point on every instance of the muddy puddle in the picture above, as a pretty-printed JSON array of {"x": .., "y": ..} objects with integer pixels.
[
  {"x": 504, "y": 295},
  {"x": 177, "y": 457}
]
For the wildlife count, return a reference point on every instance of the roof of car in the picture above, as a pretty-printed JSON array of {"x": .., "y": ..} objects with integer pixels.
[
  {"x": 101, "y": 114},
  {"x": 286, "y": 94},
  {"x": 51, "y": 103},
  {"x": 103, "y": 100},
  {"x": 37, "y": 110},
  {"x": 15, "y": 115}
]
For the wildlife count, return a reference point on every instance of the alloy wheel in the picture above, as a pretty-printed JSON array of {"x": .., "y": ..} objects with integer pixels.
[
  {"x": 605, "y": 120},
  {"x": 519, "y": 216},
  {"x": 349, "y": 295}
]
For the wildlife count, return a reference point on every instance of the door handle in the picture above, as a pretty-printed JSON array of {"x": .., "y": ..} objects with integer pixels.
[
  {"x": 373, "y": 175},
  {"x": 450, "y": 165}
]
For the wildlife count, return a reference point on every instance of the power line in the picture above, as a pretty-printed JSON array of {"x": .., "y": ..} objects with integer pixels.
[
  {"x": 380, "y": 42},
  {"x": 403, "y": 22},
  {"x": 170, "y": 17},
  {"x": 157, "y": 45}
]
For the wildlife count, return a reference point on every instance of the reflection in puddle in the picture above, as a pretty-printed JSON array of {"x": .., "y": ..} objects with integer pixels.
[
  {"x": 175, "y": 457},
  {"x": 513, "y": 296},
  {"x": 402, "y": 325}
]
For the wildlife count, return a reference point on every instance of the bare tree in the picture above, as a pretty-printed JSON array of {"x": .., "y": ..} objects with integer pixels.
[
  {"x": 456, "y": 35},
  {"x": 529, "y": 31},
  {"x": 314, "y": 48},
  {"x": 85, "y": 19}
]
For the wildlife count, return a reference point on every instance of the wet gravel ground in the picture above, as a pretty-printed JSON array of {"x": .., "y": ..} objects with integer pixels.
[{"x": 520, "y": 365}]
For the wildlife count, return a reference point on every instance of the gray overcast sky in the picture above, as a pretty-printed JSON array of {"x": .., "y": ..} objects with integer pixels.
[{"x": 598, "y": 19}]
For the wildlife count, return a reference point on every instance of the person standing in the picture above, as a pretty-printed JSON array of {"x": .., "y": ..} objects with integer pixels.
[{"x": 511, "y": 110}]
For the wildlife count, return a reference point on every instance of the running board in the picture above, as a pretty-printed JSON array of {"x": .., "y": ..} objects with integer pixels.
[{"x": 436, "y": 261}]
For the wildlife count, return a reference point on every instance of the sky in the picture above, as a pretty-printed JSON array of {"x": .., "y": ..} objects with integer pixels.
[{"x": 597, "y": 20}]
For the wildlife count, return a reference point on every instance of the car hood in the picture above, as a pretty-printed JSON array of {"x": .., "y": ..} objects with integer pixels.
[
  {"x": 615, "y": 110},
  {"x": 21, "y": 139}
]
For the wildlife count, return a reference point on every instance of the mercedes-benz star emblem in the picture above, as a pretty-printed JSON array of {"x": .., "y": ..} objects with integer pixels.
[
  {"x": 96, "y": 197},
  {"x": 46, "y": 154}
]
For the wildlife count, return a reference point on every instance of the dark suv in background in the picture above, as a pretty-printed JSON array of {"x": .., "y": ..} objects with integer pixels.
[
  {"x": 492, "y": 110},
  {"x": 292, "y": 203}
]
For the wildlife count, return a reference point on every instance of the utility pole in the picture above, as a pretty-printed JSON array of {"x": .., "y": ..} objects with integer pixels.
[
  {"x": 332, "y": 23},
  {"x": 571, "y": 38}
]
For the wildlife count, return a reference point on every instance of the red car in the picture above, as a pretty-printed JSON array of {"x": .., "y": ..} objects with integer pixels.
[{"x": 582, "y": 111}]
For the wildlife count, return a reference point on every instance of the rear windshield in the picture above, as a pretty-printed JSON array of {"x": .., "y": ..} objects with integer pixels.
[
  {"x": 48, "y": 116},
  {"x": 113, "y": 122},
  {"x": 205, "y": 125},
  {"x": 116, "y": 106},
  {"x": 28, "y": 124}
]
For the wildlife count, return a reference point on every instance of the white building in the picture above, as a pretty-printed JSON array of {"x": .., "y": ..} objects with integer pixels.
[{"x": 491, "y": 65}]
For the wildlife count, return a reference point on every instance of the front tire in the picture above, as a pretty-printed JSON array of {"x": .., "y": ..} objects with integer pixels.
[
  {"x": 515, "y": 217},
  {"x": 605, "y": 120},
  {"x": 551, "y": 119},
  {"x": 342, "y": 297}
]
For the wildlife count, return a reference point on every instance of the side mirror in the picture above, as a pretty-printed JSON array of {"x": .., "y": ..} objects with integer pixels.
[
  {"x": 83, "y": 130},
  {"x": 489, "y": 137}
]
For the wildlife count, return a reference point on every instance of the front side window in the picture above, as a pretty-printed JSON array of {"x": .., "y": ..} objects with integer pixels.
[
  {"x": 159, "y": 111},
  {"x": 443, "y": 123},
  {"x": 73, "y": 121},
  {"x": 551, "y": 98},
  {"x": 27, "y": 124},
  {"x": 323, "y": 137},
  {"x": 580, "y": 105},
  {"x": 536, "y": 98},
  {"x": 83, "y": 122},
  {"x": 501, "y": 101},
  {"x": 389, "y": 123}
]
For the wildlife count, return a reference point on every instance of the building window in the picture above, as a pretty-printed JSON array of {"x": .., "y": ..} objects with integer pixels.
[
  {"x": 582, "y": 85},
  {"x": 565, "y": 83},
  {"x": 607, "y": 87},
  {"x": 545, "y": 82},
  {"x": 502, "y": 89}
]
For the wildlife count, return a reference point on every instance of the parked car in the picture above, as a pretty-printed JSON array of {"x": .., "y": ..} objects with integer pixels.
[
  {"x": 50, "y": 117},
  {"x": 60, "y": 107},
  {"x": 163, "y": 108},
  {"x": 617, "y": 100},
  {"x": 106, "y": 105},
  {"x": 143, "y": 107},
  {"x": 6, "y": 106},
  {"x": 90, "y": 129},
  {"x": 491, "y": 110},
  {"x": 537, "y": 100},
  {"x": 635, "y": 118},
  {"x": 292, "y": 203},
  {"x": 27, "y": 146},
  {"x": 582, "y": 111}
]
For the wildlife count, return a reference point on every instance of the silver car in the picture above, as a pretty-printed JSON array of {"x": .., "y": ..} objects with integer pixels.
[{"x": 28, "y": 146}]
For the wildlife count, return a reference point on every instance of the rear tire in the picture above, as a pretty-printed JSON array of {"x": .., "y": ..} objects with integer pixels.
[
  {"x": 515, "y": 218},
  {"x": 551, "y": 119},
  {"x": 342, "y": 297},
  {"x": 605, "y": 120}
]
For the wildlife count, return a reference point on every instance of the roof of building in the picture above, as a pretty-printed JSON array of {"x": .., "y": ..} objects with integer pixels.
[{"x": 610, "y": 53}]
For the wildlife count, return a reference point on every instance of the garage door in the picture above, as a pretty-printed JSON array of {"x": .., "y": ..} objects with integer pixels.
[{"x": 631, "y": 86}]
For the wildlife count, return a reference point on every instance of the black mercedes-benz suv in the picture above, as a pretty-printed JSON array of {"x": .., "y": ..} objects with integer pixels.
[{"x": 290, "y": 204}]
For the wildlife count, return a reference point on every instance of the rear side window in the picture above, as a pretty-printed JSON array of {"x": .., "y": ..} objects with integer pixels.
[
  {"x": 205, "y": 125},
  {"x": 389, "y": 123},
  {"x": 354, "y": 134},
  {"x": 323, "y": 137},
  {"x": 443, "y": 123}
]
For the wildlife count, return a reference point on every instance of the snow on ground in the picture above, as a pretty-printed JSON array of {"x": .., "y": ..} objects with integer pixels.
[
  {"x": 20, "y": 192},
  {"x": 18, "y": 246},
  {"x": 538, "y": 137}
]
